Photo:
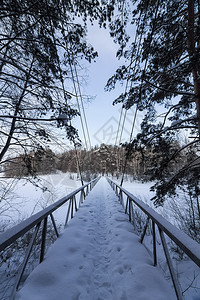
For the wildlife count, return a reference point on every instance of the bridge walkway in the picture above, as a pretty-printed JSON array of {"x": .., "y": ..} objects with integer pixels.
[{"x": 98, "y": 257}]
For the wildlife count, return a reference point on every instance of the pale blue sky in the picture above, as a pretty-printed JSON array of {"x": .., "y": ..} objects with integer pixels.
[{"x": 102, "y": 116}]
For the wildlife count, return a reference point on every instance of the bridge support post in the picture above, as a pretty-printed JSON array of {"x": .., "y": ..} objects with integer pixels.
[
  {"x": 87, "y": 190},
  {"x": 154, "y": 244},
  {"x": 44, "y": 231},
  {"x": 81, "y": 197},
  {"x": 126, "y": 208},
  {"x": 133, "y": 215},
  {"x": 68, "y": 211},
  {"x": 120, "y": 197},
  {"x": 76, "y": 209},
  {"x": 72, "y": 208},
  {"x": 144, "y": 231},
  {"x": 171, "y": 269},
  {"x": 116, "y": 191},
  {"x": 129, "y": 206},
  {"x": 54, "y": 225}
]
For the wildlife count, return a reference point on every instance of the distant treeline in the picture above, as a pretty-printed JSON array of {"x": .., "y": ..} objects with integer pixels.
[{"x": 106, "y": 159}]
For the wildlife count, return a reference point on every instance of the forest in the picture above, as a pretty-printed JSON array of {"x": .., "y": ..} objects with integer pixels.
[{"x": 104, "y": 160}]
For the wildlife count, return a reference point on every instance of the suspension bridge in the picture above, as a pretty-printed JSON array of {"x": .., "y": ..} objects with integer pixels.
[{"x": 99, "y": 255}]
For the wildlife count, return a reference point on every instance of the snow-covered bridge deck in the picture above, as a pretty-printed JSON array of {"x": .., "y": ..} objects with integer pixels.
[{"x": 97, "y": 257}]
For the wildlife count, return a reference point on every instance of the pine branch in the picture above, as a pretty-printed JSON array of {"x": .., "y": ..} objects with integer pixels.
[
  {"x": 174, "y": 127},
  {"x": 170, "y": 91},
  {"x": 33, "y": 119}
]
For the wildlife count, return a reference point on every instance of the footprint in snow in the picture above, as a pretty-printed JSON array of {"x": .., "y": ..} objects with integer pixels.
[
  {"x": 106, "y": 284},
  {"x": 120, "y": 270}
]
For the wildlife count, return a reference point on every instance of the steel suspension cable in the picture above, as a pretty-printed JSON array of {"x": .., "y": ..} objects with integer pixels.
[
  {"x": 66, "y": 101},
  {"x": 76, "y": 89},
  {"x": 121, "y": 112},
  {"x": 143, "y": 75},
  {"x": 127, "y": 82},
  {"x": 83, "y": 109},
  {"x": 137, "y": 56},
  {"x": 122, "y": 108},
  {"x": 75, "y": 146},
  {"x": 77, "y": 100}
]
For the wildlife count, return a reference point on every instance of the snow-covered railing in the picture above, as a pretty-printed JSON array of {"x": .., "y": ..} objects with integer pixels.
[
  {"x": 188, "y": 246},
  {"x": 34, "y": 222}
]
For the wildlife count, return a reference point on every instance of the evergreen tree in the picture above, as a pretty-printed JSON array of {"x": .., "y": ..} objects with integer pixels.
[
  {"x": 162, "y": 70},
  {"x": 40, "y": 43}
]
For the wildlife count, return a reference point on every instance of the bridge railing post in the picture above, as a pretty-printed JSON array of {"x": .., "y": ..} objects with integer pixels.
[
  {"x": 126, "y": 207},
  {"x": 154, "y": 244},
  {"x": 129, "y": 209},
  {"x": 43, "y": 242},
  {"x": 72, "y": 207},
  {"x": 144, "y": 230},
  {"x": 54, "y": 225},
  {"x": 81, "y": 197},
  {"x": 76, "y": 208},
  {"x": 116, "y": 190},
  {"x": 87, "y": 190},
  {"x": 170, "y": 265},
  {"x": 121, "y": 198},
  {"x": 133, "y": 215},
  {"x": 68, "y": 211}
]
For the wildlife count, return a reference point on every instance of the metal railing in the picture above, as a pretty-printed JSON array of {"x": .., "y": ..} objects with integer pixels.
[
  {"x": 183, "y": 241},
  {"x": 34, "y": 222}
]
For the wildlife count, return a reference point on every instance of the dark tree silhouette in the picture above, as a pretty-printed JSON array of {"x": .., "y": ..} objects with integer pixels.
[{"x": 162, "y": 70}]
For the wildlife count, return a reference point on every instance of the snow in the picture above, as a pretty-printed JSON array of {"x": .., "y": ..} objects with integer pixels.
[
  {"x": 187, "y": 272},
  {"x": 98, "y": 256},
  {"x": 172, "y": 231},
  {"x": 25, "y": 199},
  {"x": 142, "y": 191}
]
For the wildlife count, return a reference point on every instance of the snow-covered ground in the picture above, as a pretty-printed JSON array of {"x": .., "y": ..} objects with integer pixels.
[
  {"x": 97, "y": 257},
  {"x": 25, "y": 199},
  {"x": 169, "y": 210},
  {"x": 187, "y": 272}
]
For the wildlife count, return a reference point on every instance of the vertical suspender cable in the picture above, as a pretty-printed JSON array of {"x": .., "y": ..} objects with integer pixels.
[
  {"x": 77, "y": 90},
  {"x": 143, "y": 73},
  {"x": 118, "y": 125},
  {"x": 66, "y": 101},
  {"x": 77, "y": 100},
  {"x": 121, "y": 113},
  {"x": 84, "y": 115},
  {"x": 122, "y": 109},
  {"x": 128, "y": 79}
]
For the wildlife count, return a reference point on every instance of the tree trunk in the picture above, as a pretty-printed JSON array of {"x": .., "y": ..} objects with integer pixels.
[
  {"x": 14, "y": 120},
  {"x": 191, "y": 50},
  {"x": 193, "y": 214}
]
